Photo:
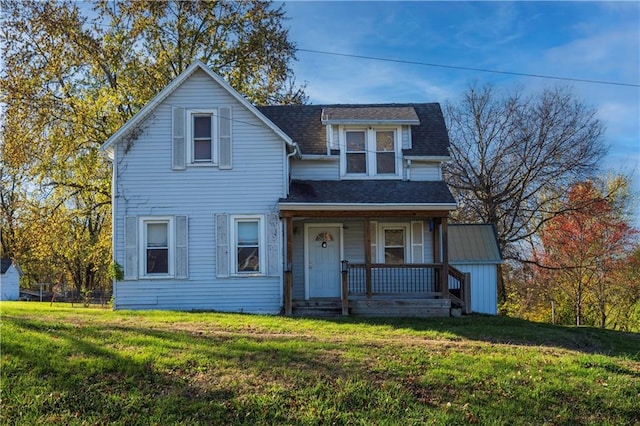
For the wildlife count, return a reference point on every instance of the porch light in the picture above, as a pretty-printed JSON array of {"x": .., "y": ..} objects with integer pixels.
[
  {"x": 345, "y": 266},
  {"x": 324, "y": 244}
]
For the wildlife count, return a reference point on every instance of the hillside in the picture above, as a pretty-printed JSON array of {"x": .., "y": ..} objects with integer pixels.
[{"x": 69, "y": 365}]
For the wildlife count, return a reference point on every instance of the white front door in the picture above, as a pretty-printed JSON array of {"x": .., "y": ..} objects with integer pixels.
[{"x": 323, "y": 261}]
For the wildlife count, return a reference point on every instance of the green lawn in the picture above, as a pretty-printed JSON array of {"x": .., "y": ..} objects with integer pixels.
[{"x": 70, "y": 365}]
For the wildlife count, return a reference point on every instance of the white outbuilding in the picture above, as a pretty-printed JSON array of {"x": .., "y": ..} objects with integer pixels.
[
  {"x": 9, "y": 280},
  {"x": 473, "y": 249}
]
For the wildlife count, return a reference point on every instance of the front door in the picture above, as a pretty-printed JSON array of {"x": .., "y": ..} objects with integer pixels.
[{"x": 323, "y": 261}]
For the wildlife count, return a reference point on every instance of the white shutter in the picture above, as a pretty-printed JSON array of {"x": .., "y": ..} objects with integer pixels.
[
  {"x": 417, "y": 242},
  {"x": 179, "y": 161},
  {"x": 182, "y": 252},
  {"x": 225, "y": 152},
  {"x": 406, "y": 137},
  {"x": 273, "y": 237},
  {"x": 374, "y": 242},
  {"x": 222, "y": 245},
  {"x": 131, "y": 248}
]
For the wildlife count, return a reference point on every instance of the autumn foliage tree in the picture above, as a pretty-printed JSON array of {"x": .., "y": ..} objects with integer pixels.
[
  {"x": 583, "y": 253},
  {"x": 74, "y": 72}
]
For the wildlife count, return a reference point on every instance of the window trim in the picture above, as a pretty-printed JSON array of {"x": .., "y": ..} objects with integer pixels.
[
  {"x": 406, "y": 227},
  {"x": 171, "y": 248},
  {"x": 191, "y": 113},
  {"x": 371, "y": 152},
  {"x": 262, "y": 244}
]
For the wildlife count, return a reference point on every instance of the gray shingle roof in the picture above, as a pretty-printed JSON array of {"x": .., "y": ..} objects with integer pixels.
[
  {"x": 4, "y": 264},
  {"x": 368, "y": 192},
  {"x": 389, "y": 114},
  {"x": 303, "y": 123}
]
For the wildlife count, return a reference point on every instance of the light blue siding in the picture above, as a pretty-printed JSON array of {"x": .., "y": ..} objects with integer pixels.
[
  {"x": 315, "y": 169},
  {"x": 147, "y": 186},
  {"x": 422, "y": 171}
]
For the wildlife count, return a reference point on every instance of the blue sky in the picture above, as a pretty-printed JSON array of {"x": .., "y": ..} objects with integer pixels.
[{"x": 584, "y": 40}]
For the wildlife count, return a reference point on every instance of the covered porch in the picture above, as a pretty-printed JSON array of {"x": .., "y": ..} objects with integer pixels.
[{"x": 369, "y": 247}]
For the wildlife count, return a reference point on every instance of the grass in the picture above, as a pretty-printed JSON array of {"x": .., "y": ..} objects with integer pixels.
[{"x": 76, "y": 366}]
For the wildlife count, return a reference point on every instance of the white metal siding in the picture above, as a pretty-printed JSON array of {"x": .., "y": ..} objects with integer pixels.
[
  {"x": 425, "y": 171},
  {"x": 10, "y": 284},
  {"x": 484, "y": 287},
  {"x": 315, "y": 170},
  {"x": 147, "y": 185}
]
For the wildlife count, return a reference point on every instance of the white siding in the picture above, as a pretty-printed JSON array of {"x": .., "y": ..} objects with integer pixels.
[
  {"x": 484, "y": 287},
  {"x": 147, "y": 185},
  {"x": 425, "y": 171},
  {"x": 10, "y": 284},
  {"x": 315, "y": 169}
]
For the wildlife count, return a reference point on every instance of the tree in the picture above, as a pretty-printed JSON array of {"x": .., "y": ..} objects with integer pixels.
[
  {"x": 583, "y": 251},
  {"x": 72, "y": 77},
  {"x": 513, "y": 155}
]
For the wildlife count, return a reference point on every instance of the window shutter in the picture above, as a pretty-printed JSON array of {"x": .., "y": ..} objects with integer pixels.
[
  {"x": 179, "y": 143},
  {"x": 130, "y": 248},
  {"x": 273, "y": 260},
  {"x": 374, "y": 242},
  {"x": 406, "y": 137},
  {"x": 225, "y": 153},
  {"x": 222, "y": 245},
  {"x": 182, "y": 252},
  {"x": 417, "y": 242}
]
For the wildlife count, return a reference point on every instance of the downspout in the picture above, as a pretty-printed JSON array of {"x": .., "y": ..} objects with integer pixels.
[
  {"x": 285, "y": 238},
  {"x": 114, "y": 198},
  {"x": 296, "y": 150}
]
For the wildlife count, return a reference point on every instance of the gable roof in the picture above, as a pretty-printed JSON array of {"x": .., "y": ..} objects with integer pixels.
[
  {"x": 5, "y": 264},
  {"x": 370, "y": 115},
  {"x": 171, "y": 87},
  {"x": 303, "y": 123},
  {"x": 379, "y": 194},
  {"x": 473, "y": 243}
]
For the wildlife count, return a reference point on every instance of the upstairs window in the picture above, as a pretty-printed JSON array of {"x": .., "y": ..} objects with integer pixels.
[
  {"x": 356, "y": 152},
  {"x": 372, "y": 152},
  {"x": 202, "y": 140}
]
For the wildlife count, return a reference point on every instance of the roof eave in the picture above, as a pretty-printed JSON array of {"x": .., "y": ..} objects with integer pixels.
[
  {"x": 366, "y": 206},
  {"x": 373, "y": 122}
]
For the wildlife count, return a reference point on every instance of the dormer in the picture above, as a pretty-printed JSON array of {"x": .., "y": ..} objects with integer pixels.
[{"x": 370, "y": 139}]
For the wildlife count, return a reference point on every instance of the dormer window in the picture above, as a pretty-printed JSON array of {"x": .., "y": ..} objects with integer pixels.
[{"x": 371, "y": 152}]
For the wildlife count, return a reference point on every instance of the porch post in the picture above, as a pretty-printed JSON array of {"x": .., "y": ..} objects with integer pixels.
[
  {"x": 444, "y": 278},
  {"x": 367, "y": 255},
  {"x": 288, "y": 279}
]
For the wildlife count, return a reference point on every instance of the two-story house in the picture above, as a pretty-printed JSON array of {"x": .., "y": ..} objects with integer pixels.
[{"x": 222, "y": 205}]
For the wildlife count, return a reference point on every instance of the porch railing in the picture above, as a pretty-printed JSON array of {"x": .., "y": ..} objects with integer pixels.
[{"x": 410, "y": 279}]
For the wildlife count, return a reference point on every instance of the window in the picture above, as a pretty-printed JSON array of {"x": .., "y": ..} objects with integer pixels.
[
  {"x": 202, "y": 133},
  {"x": 356, "y": 152},
  {"x": 394, "y": 245},
  {"x": 373, "y": 152},
  {"x": 202, "y": 138},
  {"x": 157, "y": 247},
  {"x": 248, "y": 234}
]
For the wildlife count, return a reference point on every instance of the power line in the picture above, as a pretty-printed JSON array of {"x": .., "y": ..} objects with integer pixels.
[{"x": 427, "y": 64}]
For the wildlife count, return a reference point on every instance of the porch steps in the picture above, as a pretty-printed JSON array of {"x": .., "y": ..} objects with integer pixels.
[
  {"x": 421, "y": 308},
  {"x": 317, "y": 308},
  {"x": 416, "y": 308}
]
